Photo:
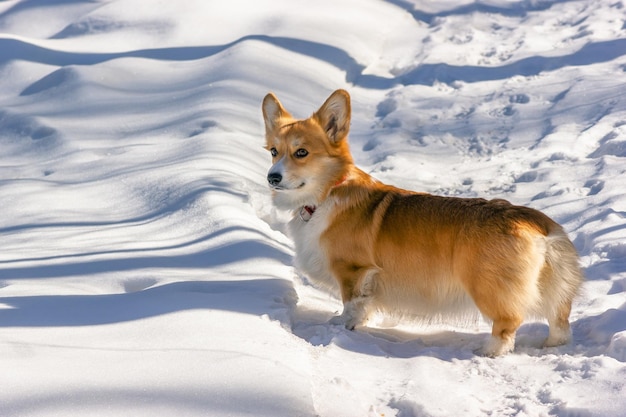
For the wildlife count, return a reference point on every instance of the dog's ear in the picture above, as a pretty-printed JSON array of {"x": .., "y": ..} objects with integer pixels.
[
  {"x": 273, "y": 112},
  {"x": 334, "y": 116}
]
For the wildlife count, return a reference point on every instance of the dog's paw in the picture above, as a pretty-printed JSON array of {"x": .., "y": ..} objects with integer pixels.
[
  {"x": 496, "y": 347},
  {"x": 557, "y": 337},
  {"x": 354, "y": 314},
  {"x": 341, "y": 320}
]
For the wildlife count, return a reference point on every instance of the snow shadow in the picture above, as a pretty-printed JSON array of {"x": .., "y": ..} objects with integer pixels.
[
  {"x": 425, "y": 74},
  {"x": 513, "y": 9},
  {"x": 600, "y": 334},
  {"x": 118, "y": 260},
  {"x": 591, "y": 53},
  {"x": 243, "y": 244},
  {"x": 162, "y": 401},
  {"x": 591, "y": 336},
  {"x": 229, "y": 253},
  {"x": 439, "y": 342},
  {"x": 256, "y": 296}
]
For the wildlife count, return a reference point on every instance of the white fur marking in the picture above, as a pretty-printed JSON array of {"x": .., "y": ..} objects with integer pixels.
[
  {"x": 558, "y": 336},
  {"x": 496, "y": 346},
  {"x": 310, "y": 259},
  {"x": 278, "y": 167}
]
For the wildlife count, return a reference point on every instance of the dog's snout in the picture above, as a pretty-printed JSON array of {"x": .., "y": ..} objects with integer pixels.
[{"x": 274, "y": 178}]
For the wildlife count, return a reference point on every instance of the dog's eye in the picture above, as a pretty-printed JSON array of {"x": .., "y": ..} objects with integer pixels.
[
  {"x": 274, "y": 152},
  {"x": 301, "y": 153}
]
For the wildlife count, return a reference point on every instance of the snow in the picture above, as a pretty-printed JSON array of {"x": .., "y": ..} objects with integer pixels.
[{"x": 144, "y": 270}]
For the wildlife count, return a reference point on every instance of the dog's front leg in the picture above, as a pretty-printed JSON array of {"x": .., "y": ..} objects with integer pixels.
[
  {"x": 354, "y": 313},
  {"x": 358, "y": 285}
]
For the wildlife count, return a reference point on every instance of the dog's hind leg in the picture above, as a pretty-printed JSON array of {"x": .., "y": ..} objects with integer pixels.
[
  {"x": 502, "y": 338},
  {"x": 502, "y": 297},
  {"x": 357, "y": 285},
  {"x": 560, "y": 332}
]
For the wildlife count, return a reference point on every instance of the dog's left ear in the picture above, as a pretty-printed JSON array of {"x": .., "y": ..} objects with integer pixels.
[{"x": 334, "y": 116}]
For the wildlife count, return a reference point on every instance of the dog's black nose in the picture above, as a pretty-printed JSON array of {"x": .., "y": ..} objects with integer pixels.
[{"x": 274, "y": 178}]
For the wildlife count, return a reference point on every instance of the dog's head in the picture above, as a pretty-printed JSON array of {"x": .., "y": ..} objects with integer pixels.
[{"x": 309, "y": 155}]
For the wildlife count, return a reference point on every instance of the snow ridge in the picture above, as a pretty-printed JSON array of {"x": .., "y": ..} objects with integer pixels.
[{"x": 145, "y": 271}]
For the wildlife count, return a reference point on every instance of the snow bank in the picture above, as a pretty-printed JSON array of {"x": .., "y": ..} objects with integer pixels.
[{"x": 144, "y": 270}]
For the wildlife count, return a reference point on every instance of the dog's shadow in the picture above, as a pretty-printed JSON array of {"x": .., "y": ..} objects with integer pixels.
[{"x": 442, "y": 341}]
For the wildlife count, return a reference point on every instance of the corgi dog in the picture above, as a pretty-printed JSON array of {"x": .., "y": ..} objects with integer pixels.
[{"x": 387, "y": 249}]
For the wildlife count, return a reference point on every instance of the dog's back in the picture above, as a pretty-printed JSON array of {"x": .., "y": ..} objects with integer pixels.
[{"x": 427, "y": 254}]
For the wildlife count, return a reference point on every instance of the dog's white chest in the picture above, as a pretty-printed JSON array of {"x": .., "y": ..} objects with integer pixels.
[{"x": 311, "y": 258}]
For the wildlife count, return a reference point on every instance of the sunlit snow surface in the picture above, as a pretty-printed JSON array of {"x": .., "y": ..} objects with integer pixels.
[{"x": 144, "y": 271}]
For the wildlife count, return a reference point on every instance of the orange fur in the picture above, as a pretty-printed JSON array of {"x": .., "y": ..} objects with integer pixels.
[{"x": 384, "y": 248}]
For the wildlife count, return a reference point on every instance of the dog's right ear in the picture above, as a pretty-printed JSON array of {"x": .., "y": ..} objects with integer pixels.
[{"x": 273, "y": 112}]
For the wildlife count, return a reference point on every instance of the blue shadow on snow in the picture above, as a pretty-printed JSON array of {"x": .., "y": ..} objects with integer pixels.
[{"x": 425, "y": 74}]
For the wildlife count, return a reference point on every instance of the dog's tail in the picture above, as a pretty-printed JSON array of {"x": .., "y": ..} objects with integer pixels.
[{"x": 560, "y": 282}]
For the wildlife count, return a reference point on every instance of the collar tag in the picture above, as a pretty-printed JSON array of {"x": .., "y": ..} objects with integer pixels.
[{"x": 306, "y": 212}]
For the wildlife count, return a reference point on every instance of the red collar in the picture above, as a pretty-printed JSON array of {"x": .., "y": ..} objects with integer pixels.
[
  {"x": 306, "y": 212},
  {"x": 341, "y": 181}
]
